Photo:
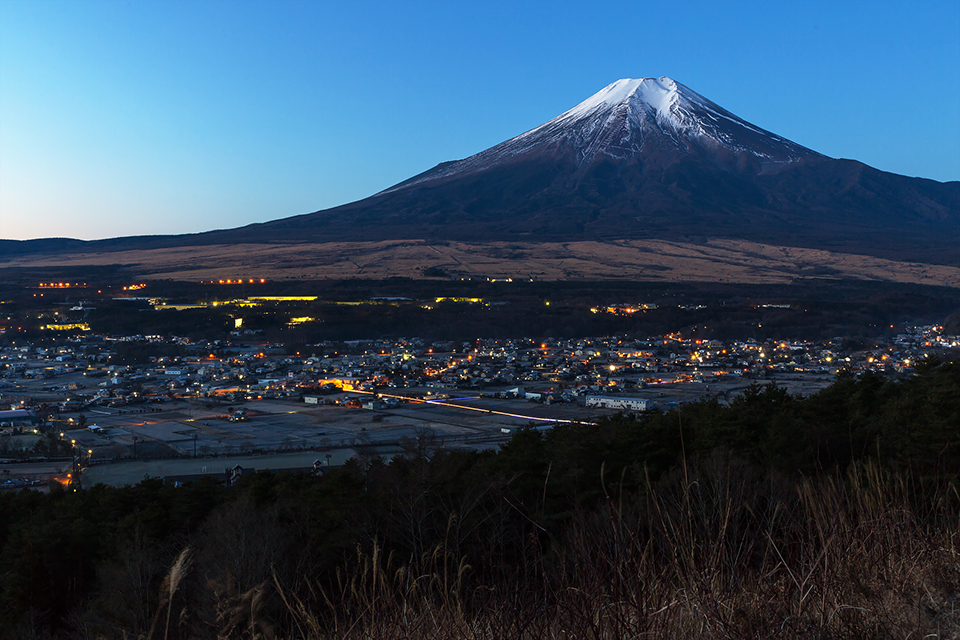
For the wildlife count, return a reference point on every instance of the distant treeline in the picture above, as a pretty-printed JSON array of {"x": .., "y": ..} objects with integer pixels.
[
  {"x": 834, "y": 515},
  {"x": 817, "y": 309}
]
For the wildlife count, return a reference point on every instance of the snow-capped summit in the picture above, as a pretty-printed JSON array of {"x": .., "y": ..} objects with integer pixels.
[
  {"x": 658, "y": 93},
  {"x": 635, "y": 120},
  {"x": 675, "y": 110}
]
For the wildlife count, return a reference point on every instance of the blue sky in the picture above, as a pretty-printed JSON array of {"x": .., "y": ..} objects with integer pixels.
[{"x": 139, "y": 117}]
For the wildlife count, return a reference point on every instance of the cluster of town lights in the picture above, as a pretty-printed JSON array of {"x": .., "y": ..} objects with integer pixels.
[
  {"x": 61, "y": 285},
  {"x": 623, "y": 309},
  {"x": 235, "y": 281}
]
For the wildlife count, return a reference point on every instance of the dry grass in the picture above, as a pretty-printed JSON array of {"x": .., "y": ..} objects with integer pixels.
[
  {"x": 168, "y": 590},
  {"x": 647, "y": 260},
  {"x": 712, "y": 552}
]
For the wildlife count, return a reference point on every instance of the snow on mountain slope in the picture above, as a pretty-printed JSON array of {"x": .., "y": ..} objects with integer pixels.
[{"x": 629, "y": 119}]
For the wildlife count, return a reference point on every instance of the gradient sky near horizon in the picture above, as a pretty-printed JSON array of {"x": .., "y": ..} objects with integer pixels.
[{"x": 145, "y": 117}]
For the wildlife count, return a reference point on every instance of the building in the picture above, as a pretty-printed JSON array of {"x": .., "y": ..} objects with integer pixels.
[
  {"x": 18, "y": 418},
  {"x": 617, "y": 402}
]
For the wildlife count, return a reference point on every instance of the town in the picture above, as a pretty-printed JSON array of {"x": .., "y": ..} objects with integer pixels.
[{"x": 80, "y": 407}]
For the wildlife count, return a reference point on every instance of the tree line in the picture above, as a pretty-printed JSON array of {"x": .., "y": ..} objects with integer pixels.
[{"x": 814, "y": 513}]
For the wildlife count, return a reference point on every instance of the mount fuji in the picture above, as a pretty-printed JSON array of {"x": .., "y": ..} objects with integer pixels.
[
  {"x": 643, "y": 160},
  {"x": 640, "y": 121},
  {"x": 651, "y": 158}
]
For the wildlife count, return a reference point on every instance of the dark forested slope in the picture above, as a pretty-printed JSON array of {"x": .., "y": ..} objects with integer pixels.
[{"x": 770, "y": 514}]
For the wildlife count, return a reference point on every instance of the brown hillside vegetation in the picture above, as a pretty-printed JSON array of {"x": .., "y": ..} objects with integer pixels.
[
  {"x": 702, "y": 558},
  {"x": 640, "y": 260}
]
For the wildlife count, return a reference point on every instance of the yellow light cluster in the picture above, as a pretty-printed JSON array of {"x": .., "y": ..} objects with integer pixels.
[
  {"x": 622, "y": 309},
  {"x": 295, "y": 321},
  {"x": 158, "y": 304},
  {"x": 134, "y": 287},
  {"x": 83, "y": 326},
  {"x": 341, "y": 384},
  {"x": 455, "y": 299},
  {"x": 179, "y": 307},
  {"x": 61, "y": 285},
  {"x": 283, "y": 298}
]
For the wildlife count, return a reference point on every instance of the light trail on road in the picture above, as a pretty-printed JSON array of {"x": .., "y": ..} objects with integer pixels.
[{"x": 477, "y": 409}]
